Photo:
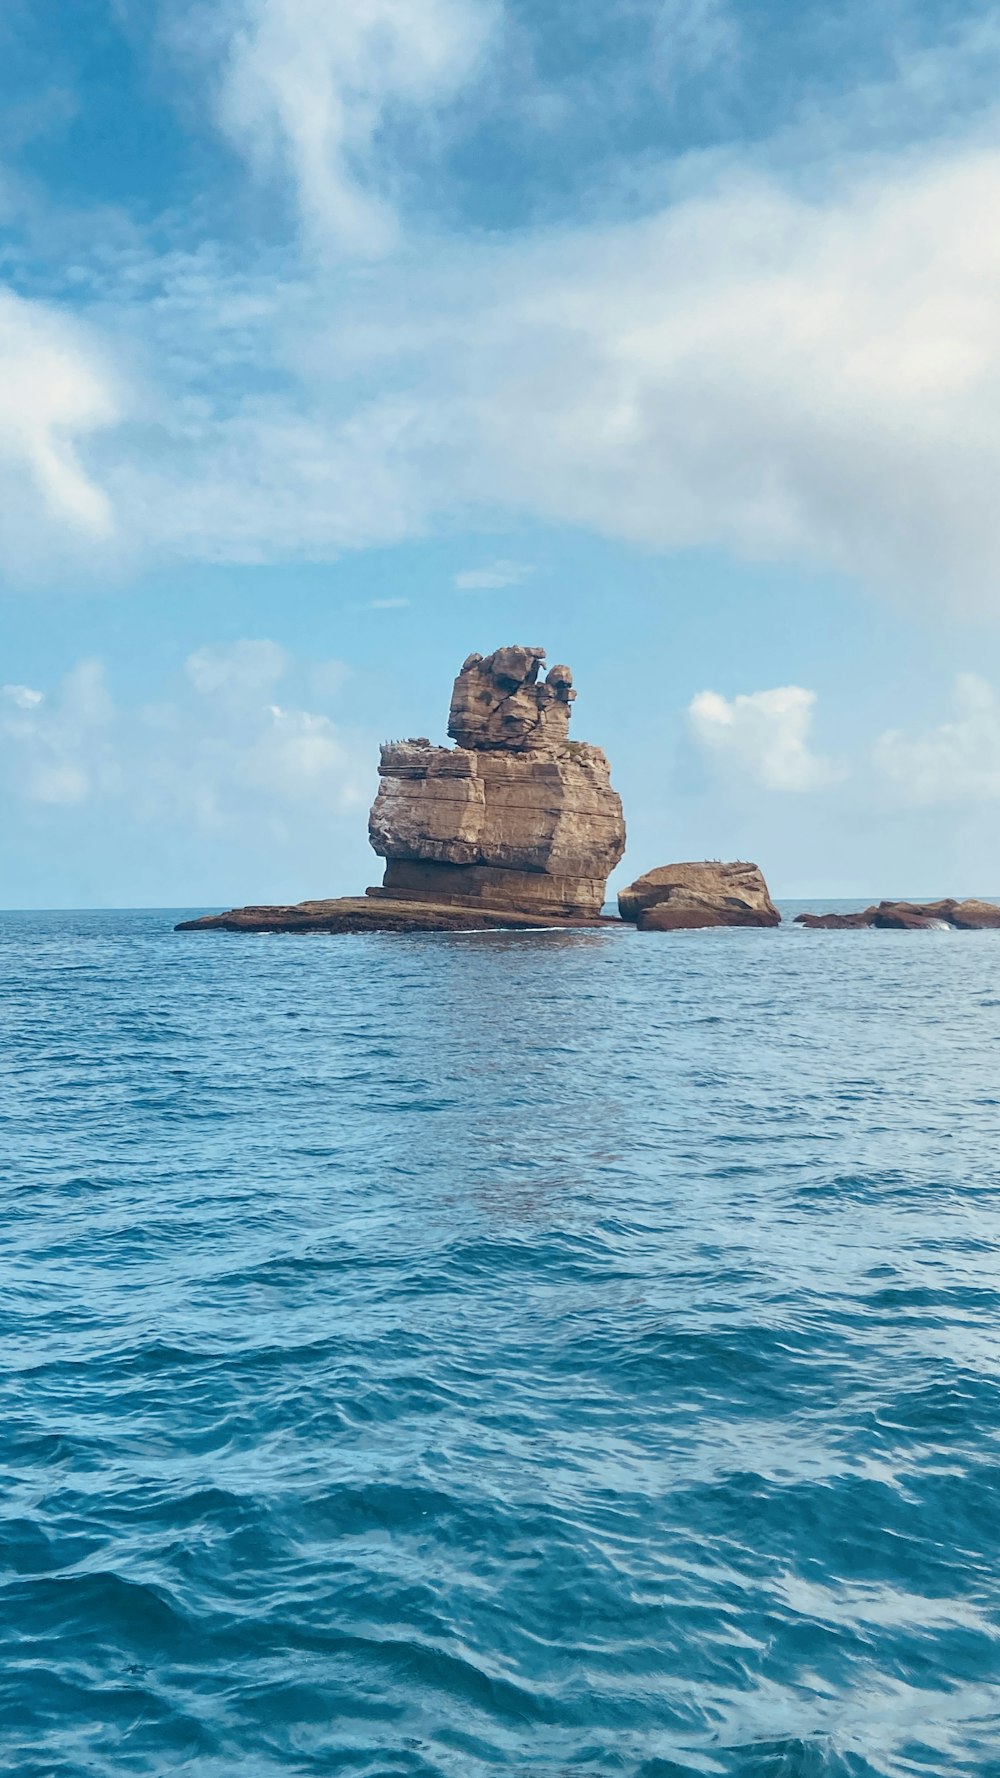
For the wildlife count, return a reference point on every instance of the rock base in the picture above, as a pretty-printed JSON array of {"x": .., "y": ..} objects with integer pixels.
[
  {"x": 535, "y": 893},
  {"x": 380, "y": 913}
]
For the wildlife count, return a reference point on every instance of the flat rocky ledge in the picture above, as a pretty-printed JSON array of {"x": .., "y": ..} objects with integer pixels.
[{"x": 361, "y": 913}]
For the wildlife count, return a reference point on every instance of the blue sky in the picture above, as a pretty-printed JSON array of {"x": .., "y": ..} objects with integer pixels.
[{"x": 339, "y": 338}]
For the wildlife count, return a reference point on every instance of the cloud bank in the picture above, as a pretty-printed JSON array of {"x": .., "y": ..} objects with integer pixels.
[{"x": 792, "y": 369}]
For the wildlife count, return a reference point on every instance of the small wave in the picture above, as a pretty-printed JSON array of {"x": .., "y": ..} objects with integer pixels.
[{"x": 545, "y": 1355}]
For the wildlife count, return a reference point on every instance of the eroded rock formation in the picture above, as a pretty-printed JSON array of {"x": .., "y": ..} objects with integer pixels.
[
  {"x": 516, "y": 816},
  {"x": 910, "y": 916},
  {"x": 498, "y": 702},
  {"x": 679, "y": 897},
  {"x": 516, "y": 826}
]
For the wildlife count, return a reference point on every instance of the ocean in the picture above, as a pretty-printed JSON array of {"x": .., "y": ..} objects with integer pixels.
[{"x": 539, "y": 1353}]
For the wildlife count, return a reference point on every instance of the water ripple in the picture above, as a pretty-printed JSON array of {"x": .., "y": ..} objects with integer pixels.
[{"x": 557, "y": 1355}]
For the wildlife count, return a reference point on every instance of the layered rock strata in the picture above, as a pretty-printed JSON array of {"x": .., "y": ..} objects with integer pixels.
[
  {"x": 515, "y": 826},
  {"x": 358, "y": 913},
  {"x": 910, "y": 916},
  {"x": 515, "y": 816},
  {"x": 683, "y": 897}
]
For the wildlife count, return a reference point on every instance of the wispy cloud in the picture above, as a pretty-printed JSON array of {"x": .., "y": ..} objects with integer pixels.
[
  {"x": 60, "y": 750},
  {"x": 956, "y": 762},
  {"x": 309, "y": 86},
  {"x": 56, "y": 390},
  {"x": 224, "y": 752},
  {"x": 798, "y": 379},
  {"x": 495, "y": 576},
  {"x": 790, "y": 372}
]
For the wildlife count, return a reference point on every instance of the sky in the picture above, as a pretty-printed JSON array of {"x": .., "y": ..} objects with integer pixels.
[{"x": 340, "y": 338}]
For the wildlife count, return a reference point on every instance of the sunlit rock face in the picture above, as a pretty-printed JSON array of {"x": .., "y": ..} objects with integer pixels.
[
  {"x": 516, "y": 815},
  {"x": 679, "y": 897}
]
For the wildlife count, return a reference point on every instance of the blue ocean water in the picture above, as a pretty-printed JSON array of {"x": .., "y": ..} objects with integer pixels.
[{"x": 455, "y": 1355}]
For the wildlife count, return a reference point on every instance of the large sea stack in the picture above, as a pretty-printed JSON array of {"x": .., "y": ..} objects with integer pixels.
[
  {"x": 516, "y": 825},
  {"x": 516, "y": 815}
]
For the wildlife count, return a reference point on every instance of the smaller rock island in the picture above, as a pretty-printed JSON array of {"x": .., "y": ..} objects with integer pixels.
[
  {"x": 514, "y": 826},
  {"x": 910, "y": 916},
  {"x": 687, "y": 897}
]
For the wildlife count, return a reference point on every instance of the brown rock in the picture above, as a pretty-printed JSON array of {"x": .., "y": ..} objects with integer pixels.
[
  {"x": 975, "y": 916},
  {"x": 684, "y": 913},
  {"x": 681, "y": 896},
  {"x": 359, "y": 913},
  {"x": 498, "y": 703},
  {"x": 835, "y": 922},
  {"x": 516, "y": 815},
  {"x": 911, "y": 916}
]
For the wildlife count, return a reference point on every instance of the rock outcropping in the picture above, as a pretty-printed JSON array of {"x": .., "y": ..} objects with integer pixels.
[
  {"x": 516, "y": 816},
  {"x": 679, "y": 897},
  {"x": 910, "y": 916},
  {"x": 359, "y": 913},
  {"x": 515, "y": 826}
]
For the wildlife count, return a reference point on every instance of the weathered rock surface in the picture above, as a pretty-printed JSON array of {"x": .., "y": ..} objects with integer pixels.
[
  {"x": 516, "y": 826},
  {"x": 516, "y": 815},
  {"x": 679, "y": 897},
  {"x": 359, "y": 913},
  {"x": 498, "y": 702},
  {"x": 910, "y": 916}
]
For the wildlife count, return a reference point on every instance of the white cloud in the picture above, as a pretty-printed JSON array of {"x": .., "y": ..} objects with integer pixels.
[
  {"x": 957, "y": 762},
  {"x": 803, "y": 378},
  {"x": 240, "y": 669},
  {"x": 498, "y": 574},
  {"x": 222, "y": 756},
  {"x": 309, "y": 84},
  {"x": 59, "y": 750},
  {"x": 793, "y": 372},
  {"x": 22, "y": 696},
  {"x": 814, "y": 379},
  {"x": 762, "y": 736},
  {"x": 299, "y": 757},
  {"x": 56, "y": 389}
]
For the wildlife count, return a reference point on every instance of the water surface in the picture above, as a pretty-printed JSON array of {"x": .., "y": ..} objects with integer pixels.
[{"x": 454, "y": 1355}]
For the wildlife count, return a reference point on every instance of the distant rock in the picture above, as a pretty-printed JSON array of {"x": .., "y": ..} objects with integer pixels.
[
  {"x": 680, "y": 897},
  {"x": 910, "y": 916},
  {"x": 974, "y": 916}
]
